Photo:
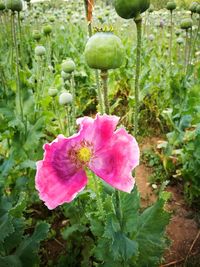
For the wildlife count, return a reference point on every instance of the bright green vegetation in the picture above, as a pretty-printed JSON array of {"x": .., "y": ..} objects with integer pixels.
[{"x": 34, "y": 48}]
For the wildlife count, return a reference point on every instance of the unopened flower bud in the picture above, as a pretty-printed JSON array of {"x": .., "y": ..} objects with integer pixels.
[
  {"x": 40, "y": 50},
  {"x": 52, "y": 92},
  {"x": 65, "y": 98}
]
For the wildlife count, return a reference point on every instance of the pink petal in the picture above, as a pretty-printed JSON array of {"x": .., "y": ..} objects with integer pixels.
[
  {"x": 57, "y": 179},
  {"x": 114, "y": 163},
  {"x": 98, "y": 131}
]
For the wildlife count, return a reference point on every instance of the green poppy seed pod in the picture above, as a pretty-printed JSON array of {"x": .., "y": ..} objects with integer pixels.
[
  {"x": 47, "y": 29},
  {"x": 129, "y": 9},
  {"x": 186, "y": 24},
  {"x": 193, "y": 7},
  {"x": 68, "y": 66},
  {"x": 104, "y": 51},
  {"x": 62, "y": 28},
  {"x": 65, "y": 75},
  {"x": 52, "y": 92},
  {"x": 2, "y": 5},
  {"x": 151, "y": 37},
  {"x": 40, "y": 50},
  {"x": 52, "y": 19},
  {"x": 14, "y": 5},
  {"x": 180, "y": 40},
  {"x": 36, "y": 35},
  {"x": 171, "y": 5},
  {"x": 178, "y": 32},
  {"x": 65, "y": 98}
]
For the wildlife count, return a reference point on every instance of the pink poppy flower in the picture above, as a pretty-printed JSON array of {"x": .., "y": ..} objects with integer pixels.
[{"x": 110, "y": 154}]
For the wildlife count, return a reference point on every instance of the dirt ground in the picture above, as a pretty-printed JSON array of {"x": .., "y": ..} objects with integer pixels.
[{"x": 183, "y": 230}]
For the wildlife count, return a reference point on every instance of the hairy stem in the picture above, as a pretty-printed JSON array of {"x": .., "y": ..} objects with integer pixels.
[
  {"x": 68, "y": 120},
  {"x": 74, "y": 102},
  {"x": 118, "y": 209},
  {"x": 170, "y": 39},
  {"x": 104, "y": 77},
  {"x": 138, "y": 21},
  {"x": 99, "y": 200},
  {"x": 186, "y": 50},
  {"x": 18, "y": 91}
]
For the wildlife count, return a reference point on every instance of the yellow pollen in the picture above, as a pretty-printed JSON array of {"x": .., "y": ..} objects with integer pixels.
[{"x": 84, "y": 154}]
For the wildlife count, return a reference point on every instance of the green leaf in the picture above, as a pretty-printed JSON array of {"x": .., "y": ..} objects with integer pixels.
[
  {"x": 6, "y": 167},
  {"x": 123, "y": 247},
  {"x": 27, "y": 250},
  {"x": 150, "y": 234},
  {"x": 13, "y": 240},
  {"x": 130, "y": 205},
  {"x": 18, "y": 209},
  {"x": 34, "y": 134},
  {"x": 6, "y": 227},
  {"x": 28, "y": 164},
  {"x": 10, "y": 261},
  {"x": 71, "y": 229}
]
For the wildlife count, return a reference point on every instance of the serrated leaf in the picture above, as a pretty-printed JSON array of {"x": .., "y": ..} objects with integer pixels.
[
  {"x": 13, "y": 240},
  {"x": 123, "y": 247},
  {"x": 71, "y": 229},
  {"x": 97, "y": 227},
  {"x": 10, "y": 261},
  {"x": 150, "y": 234},
  {"x": 34, "y": 134},
  {"x": 27, "y": 250},
  {"x": 18, "y": 209},
  {"x": 6, "y": 167},
  {"x": 130, "y": 205},
  {"x": 6, "y": 227}
]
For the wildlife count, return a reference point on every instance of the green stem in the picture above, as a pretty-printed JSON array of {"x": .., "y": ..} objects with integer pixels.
[
  {"x": 99, "y": 200},
  {"x": 74, "y": 102},
  {"x": 186, "y": 50},
  {"x": 194, "y": 42},
  {"x": 170, "y": 40},
  {"x": 100, "y": 100},
  {"x": 118, "y": 210},
  {"x": 12, "y": 42},
  {"x": 48, "y": 50},
  {"x": 20, "y": 37},
  {"x": 18, "y": 95},
  {"x": 138, "y": 21},
  {"x": 189, "y": 50},
  {"x": 104, "y": 77},
  {"x": 38, "y": 86},
  {"x": 55, "y": 109},
  {"x": 68, "y": 120}
]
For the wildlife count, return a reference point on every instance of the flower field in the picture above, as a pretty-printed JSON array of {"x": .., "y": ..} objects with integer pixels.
[{"x": 99, "y": 133}]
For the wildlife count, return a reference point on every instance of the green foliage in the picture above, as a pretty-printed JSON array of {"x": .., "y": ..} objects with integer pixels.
[
  {"x": 132, "y": 242},
  {"x": 190, "y": 158},
  {"x": 16, "y": 247},
  {"x": 159, "y": 171},
  {"x": 169, "y": 104}
]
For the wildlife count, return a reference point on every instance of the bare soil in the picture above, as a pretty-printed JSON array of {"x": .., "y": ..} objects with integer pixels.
[{"x": 183, "y": 230}]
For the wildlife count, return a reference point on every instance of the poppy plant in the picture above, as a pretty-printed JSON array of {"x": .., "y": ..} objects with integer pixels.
[{"x": 111, "y": 154}]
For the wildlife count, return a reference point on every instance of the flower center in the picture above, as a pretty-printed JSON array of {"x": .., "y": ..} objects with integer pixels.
[{"x": 84, "y": 154}]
